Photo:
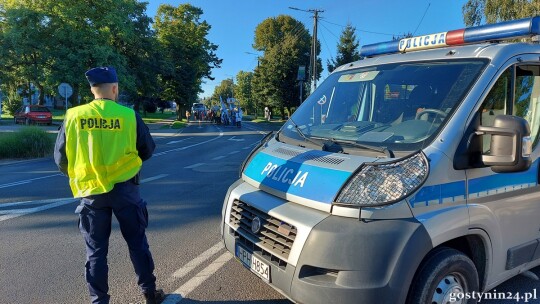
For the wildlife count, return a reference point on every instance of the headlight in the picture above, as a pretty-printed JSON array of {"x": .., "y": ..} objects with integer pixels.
[{"x": 377, "y": 184}]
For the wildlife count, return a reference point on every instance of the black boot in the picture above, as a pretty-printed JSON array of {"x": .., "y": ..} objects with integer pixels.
[{"x": 155, "y": 298}]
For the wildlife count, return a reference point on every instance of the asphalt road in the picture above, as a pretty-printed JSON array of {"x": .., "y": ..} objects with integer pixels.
[{"x": 42, "y": 252}]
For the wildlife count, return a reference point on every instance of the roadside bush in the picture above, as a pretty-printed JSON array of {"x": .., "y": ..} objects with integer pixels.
[
  {"x": 28, "y": 142},
  {"x": 12, "y": 103},
  {"x": 149, "y": 107}
]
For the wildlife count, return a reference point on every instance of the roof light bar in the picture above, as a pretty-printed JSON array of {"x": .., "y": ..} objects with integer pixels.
[{"x": 489, "y": 32}]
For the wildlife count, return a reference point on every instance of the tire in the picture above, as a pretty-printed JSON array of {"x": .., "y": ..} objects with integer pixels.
[{"x": 443, "y": 275}]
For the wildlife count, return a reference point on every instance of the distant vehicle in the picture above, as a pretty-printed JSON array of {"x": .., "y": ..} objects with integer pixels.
[
  {"x": 33, "y": 115},
  {"x": 198, "y": 107}
]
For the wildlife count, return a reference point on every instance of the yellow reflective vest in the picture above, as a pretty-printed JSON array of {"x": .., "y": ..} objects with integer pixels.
[{"x": 101, "y": 146}]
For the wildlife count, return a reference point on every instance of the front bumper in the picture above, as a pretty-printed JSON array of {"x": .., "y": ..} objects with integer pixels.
[{"x": 341, "y": 260}]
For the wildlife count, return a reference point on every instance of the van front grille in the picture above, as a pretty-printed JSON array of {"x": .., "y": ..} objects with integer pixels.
[{"x": 275, "y": 237}]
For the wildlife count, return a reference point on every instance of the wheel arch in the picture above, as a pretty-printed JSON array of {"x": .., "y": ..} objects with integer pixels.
[{"x": 476, "y": 246}]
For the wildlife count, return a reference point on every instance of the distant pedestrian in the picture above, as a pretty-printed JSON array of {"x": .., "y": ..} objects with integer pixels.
[
  {"x": 266, "y": 113},
  {"x": 239, "y": 115},
  {"x": 101, "y": 147}
]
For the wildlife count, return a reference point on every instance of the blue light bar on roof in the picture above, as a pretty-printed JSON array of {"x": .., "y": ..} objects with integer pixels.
[
  {"x": 489, "y": 32},
  {"x": 504, "y": 30}
]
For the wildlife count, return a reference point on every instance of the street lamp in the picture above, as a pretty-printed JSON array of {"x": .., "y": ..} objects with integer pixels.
[{"x": 250, "y": 53}]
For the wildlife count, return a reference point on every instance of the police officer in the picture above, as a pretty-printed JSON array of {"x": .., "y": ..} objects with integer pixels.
[{"x": 101, "y": 147}]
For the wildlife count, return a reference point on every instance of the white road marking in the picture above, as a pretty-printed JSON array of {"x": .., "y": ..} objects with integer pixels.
[
  {"x": 47, "y": 204},
  {"x": 177, "y": 141},
  {"x": 236, "y": 139},
  {"x": 27, "y": 181},
  {"x": 184, "y": 290},
  {"x": 194, "y": 166},
  {"x": 260, "y": 132},
  {"x": 9, "y": 214},
  {"x": 47, "y": 201},
  {"x": 218, "y": 157},
  {"x": 203, "y": 257},
  {"x": 187, "y": 147},
  {"x": 146, "y": 180}
]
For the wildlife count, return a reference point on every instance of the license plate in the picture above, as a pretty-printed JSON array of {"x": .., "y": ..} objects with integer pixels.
[
  {"x": 253, "y": 263},
  {"x": 41, "y": 116}
]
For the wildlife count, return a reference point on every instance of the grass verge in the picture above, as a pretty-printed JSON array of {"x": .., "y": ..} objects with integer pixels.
[{"x": 28, "y": 142}]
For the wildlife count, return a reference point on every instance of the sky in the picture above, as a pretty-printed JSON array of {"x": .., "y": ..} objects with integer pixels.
[{"x": 234, "y": 21}]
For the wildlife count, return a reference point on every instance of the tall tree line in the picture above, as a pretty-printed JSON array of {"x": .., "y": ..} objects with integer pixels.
[
  {"x": 47, "y": 42},
  {"x": 285, "y": 45},
  {"x": 476, "y": 12}
]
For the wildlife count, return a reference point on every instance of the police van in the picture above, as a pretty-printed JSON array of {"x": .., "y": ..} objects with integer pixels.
[{"x": 410, "y": 176}]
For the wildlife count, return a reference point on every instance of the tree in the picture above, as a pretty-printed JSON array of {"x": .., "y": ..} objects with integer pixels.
[
  {"x": 48, "y": 42},
  {"x": 188, "y": 55},
  {"x": 347, "y": 49},
  {"x": 224, "y": 90},
  {"x": 476, "y": 12},
  {"x": 243, "y": 91},
  {"x": 25, "y": 49},
  {"x": 102, "y": 33},
  {"x": 285, "y": 43}
]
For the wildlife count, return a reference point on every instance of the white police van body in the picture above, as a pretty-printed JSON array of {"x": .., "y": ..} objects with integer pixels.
[{"x": 410, "y": 176}]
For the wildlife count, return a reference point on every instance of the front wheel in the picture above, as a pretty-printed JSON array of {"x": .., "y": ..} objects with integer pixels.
[{"x": 446, "y": 276}]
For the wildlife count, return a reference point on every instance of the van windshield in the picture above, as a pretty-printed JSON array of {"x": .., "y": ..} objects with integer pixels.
[{"x": 398, "y": 106}]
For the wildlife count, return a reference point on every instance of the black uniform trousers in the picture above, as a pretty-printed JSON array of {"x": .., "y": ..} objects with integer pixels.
[{"x": 95, "y": 215}]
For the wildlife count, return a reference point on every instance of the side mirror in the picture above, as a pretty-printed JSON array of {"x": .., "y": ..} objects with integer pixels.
[{"x": 511, "y": 144}]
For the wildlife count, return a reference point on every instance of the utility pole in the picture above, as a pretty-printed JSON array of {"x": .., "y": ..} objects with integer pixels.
[{"x": 313, "y": 57}]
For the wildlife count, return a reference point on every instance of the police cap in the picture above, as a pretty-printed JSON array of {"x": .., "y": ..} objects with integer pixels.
[{"x": 100, "y": 75}]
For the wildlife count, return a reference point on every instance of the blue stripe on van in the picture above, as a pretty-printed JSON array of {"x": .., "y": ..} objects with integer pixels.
[
  {"x": 478, "y": 187},
  {"x": 438, "y": 194},
  {"x": 297, "y": 178}
]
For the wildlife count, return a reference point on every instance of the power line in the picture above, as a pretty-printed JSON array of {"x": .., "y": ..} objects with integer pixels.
[
  {"x": 325, "y": 43},
  {"x": 421, "y": 19},
  {"x": 359, "y": 30},
  {"x": 313, "y": 56}
]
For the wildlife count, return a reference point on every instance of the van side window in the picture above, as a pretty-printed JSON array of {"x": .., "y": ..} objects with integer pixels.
[
  {"x": 495, "y": 104},
  {"x": 527, "y": 97}
]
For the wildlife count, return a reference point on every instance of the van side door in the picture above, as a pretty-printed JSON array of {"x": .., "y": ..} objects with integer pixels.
[{"x": 507, "y": 205}]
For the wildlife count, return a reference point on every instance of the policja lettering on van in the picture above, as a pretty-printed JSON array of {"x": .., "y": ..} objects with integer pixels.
[
  {"x": 423, "y": 42},
  {"x": 284, "y": 174},
  {"x": 100, "y": 123}
]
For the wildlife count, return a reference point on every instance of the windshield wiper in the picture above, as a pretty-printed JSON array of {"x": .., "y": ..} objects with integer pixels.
[
  {"x": 384, "y": 150},
  {"x": 304, "y": 136}
]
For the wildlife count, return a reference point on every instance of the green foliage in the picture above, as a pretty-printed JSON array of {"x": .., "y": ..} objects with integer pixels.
[
  {"x": 187, "y": 54},
  {"x": 243, "y": 91},
  {"x": 12, "y": 103},
  {"x": 149, "y": 107},
  {"x": 476, "y": 12},
  {"x": 29, "y": 142},
  {"x": 225, "y": 89},
  {"x": 347, "y": 49},
  {"x": 286, "y": 44},
  {"x": 47, "y": 42}
]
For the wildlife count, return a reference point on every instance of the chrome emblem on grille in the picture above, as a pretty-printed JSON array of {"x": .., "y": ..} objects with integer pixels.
[{"x": 256, "y": 225}]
